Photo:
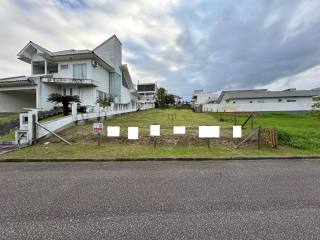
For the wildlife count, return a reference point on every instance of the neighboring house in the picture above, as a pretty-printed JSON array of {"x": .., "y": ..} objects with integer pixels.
[
  {"x": 147, "y": 92},
  {"x": 177, "y": 99},
  {"x": 258, "y": 100},
  {"x": 199, "y": 97},
  {"x": 90, "y": 74}
]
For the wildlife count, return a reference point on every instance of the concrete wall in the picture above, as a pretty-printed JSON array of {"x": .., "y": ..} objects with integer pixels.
[
  {"x": 100, "y": 75},
  {"x": 16, "y": 101},
  {"x": 111, "y": 52},
  {"x": 125, "y": 95},
  {"x": 269, "y": 105},
  {"x": 43, "y": 92}
]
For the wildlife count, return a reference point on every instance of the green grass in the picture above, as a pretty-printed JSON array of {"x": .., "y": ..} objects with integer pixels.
[
  {"x": 298, "y": 130},
  {"x": 84, "y": 144},
  {"x": 8, "y": 137},
  {"x": 7, "y": 118},
  {"x": 111, "y": 150}
]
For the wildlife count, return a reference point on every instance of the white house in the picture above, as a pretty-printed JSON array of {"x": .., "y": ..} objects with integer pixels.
[
  {"x": 90, "y": 74},
  {"x": 262, "y": 100},
  {"x": 147, "y": 92},
  {"x": 200, "y": 97}
]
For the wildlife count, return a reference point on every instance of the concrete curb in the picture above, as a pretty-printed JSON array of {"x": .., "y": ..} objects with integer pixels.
[{"x": 157, "y": 159}]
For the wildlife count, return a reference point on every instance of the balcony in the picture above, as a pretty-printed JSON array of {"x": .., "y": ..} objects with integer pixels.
[{"x": 73, "y": 81}]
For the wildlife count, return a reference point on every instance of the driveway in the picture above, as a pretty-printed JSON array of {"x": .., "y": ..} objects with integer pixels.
[
  {"x": 6, "y": 147},
  {"x": 161, "y": 200}
]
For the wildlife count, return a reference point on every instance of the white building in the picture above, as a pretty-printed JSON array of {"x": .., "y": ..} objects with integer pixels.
[
  {"x": 147, "y": 92},
  {"x": 200, "y": 97},
  {"x": 90, "y": 74},
  {"x": 262, "y": 100}
]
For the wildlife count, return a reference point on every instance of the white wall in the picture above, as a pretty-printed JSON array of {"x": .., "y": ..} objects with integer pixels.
[
  {"x": 111, "y": 52},
  {"x": 269, "y": 105},
  {"x": 100, "y": 75},
  {"x": 68, "y": 73},
  {"x": 43, "y": 91},
  {"x": 203, "y": 98},
  {"x": 125, "y": 95}
]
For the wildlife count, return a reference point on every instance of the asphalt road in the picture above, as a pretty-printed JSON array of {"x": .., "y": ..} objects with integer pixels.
[{"x": 161, "y": 200}]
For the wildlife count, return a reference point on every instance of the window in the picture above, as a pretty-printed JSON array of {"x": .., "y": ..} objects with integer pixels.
[
  {"x": 279, "y": 100},
  {"x": 80, "y": 71},
  {"x": 71, "y": 91},
  {"x": 250, "y": 101},
  {"x": 291, "y": 100},
  {"x": 64, "y": 92},
  {"x": 64, "y": 66},
  {"x": 234, "y": 102},
  {"x": 101, "y": 95}
]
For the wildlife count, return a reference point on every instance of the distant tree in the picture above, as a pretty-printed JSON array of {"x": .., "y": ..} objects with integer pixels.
[
  {"x": 161, "y": 96},
  {"x": 169, "y": 99},
  {"x": 315, "y": 108},
  {"x": 64, "y": 100}
]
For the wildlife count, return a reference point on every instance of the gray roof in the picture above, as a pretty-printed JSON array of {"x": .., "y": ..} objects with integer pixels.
[
  {"x": 16, "y": 81},
  {"x": 70, "y": 52},
  {"x": 264, "y": 93}
]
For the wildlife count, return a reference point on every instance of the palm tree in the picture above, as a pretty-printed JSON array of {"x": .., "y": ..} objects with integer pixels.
[{"x": 64, "y": 100}]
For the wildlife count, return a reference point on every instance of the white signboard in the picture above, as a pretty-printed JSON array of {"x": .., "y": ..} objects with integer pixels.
[
  {"x": 209, "y": 131},
  {"x": 113, "y": 131},
  {"x": 133, "y": 133},
  {"x": 237, "y": 132},
  {"x": 179, "y": 130},
  {"x": 155, "y": 130},
  {"x": 97, "y": 128}
]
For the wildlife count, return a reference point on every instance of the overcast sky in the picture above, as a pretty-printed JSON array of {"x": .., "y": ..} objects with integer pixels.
[{"x": 182, "y": 44}]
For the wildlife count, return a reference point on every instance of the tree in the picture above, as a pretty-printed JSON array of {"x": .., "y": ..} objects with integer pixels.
[
  {"x": 315, "y": 108},
  {"x": 64, "y": 100},
  {"x": 161, "y": 96},
  {"x": 169, "y": 99},
  {"x": 105, "y": 102}
]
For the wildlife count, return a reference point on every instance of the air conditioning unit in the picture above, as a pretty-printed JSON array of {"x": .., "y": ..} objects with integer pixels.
[{"x": 94, "y": 63}]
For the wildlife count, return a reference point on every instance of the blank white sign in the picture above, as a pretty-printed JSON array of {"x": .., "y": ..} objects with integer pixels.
[
  {"x": 237, "y": 131},
  {"x": 209, "y": 131},
  {"x": 179, "y": 130},
  {"x": 133, "y": 133},
  {"x": 154, "y": 130},
  {"x": 113, "y": 131}
]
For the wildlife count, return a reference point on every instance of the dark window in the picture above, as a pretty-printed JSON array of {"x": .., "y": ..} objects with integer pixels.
[
  {"x": 291, "y": 100},
  {"x": 71, "y": 92},
  {"x": 279, "y": 100},
  {"x": 146, "y": 87},
  {"x": 234, "y": 102},
  {"x": 250, "y": 101},
  {"x": 64, "y": 66},
  {"x": 64, "y": 92}
]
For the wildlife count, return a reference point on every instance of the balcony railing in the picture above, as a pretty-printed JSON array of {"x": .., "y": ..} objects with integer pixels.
[{"x": 87, "y": 82}]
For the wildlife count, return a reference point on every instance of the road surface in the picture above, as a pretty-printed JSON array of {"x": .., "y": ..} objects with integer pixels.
[{"x": 277, "y": 199}]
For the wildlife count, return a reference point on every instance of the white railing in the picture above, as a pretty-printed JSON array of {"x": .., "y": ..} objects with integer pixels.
[{"x": 69, "y": 81}]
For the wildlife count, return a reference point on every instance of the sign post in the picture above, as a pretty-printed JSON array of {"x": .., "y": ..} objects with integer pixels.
[{"x": 98, "y": 130}]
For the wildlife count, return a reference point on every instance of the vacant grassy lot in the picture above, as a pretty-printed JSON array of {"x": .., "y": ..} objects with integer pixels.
[{"x": 293, "y": 128}]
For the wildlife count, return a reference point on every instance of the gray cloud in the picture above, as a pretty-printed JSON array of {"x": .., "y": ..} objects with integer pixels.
[{"x": 184, "y": 45}]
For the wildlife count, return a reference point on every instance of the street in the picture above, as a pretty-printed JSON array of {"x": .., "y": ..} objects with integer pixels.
[{"x": 265, "y": 199}]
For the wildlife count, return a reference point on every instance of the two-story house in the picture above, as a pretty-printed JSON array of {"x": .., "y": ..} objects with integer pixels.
[{"x": 90, "y": 74}]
